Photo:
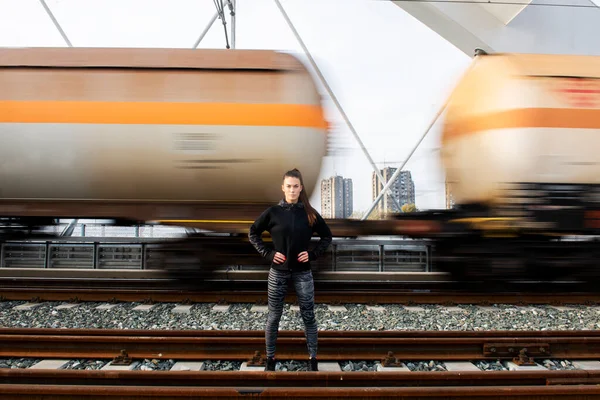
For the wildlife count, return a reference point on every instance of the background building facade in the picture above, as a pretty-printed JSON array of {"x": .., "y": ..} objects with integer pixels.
[
  {"x": 336, "y": 197},
  {"x": 403, "y": 190}
]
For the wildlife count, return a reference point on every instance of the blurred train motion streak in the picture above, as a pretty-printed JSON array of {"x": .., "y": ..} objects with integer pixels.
[
  {"x": 200, "y": 138},
  {"x": 153, "y": 135},
  {"x": 521, "y": 152}
]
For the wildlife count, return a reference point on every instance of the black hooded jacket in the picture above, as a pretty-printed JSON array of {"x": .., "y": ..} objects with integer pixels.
[{"x": 288, "y": 225}]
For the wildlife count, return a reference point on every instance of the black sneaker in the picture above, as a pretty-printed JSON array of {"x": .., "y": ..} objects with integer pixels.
[
  {"x": 270, "y": 364},
  {"x": 313, "y": 364}
]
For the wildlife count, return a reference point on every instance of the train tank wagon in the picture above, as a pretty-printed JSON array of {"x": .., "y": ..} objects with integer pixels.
[
  {"x": 184, "y": 137},
  {"x": 521, "y": 151}
]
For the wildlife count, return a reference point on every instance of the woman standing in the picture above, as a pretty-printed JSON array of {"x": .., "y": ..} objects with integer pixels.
[{"x": 291, "y": 224}]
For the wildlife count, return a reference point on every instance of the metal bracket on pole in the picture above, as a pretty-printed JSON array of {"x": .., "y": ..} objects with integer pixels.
[
  {"x": 220, "y": 5},
  {"x": 56, "y": 24},
  {"x": 332, "y": 95},
  {"x": 395, "y": 175},
  {"x": 232, "y": 12}
]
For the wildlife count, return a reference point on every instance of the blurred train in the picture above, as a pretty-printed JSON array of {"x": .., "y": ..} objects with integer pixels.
[
  {"x": 521, "y": 152},
  {"x": 200, "y": 138},
  {"x": 184, "y": 137}
]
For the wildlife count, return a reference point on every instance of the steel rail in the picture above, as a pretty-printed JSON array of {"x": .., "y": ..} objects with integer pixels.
[
  {"x": 290, "y": 379},
  {"x": 188, "y": 393},
  {"x": 333, "y": 345},
  {"x": 236, "y": 294}
]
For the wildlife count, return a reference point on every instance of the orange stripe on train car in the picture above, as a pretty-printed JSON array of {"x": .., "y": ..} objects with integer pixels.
[
  {"x": 157, "y": 113},
  {"x": 573, "y": 118}
]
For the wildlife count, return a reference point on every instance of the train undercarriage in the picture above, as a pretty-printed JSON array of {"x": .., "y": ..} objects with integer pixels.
[
  {"x": 469, "y": 255},
  {"x": 542, "y": 232},
  {"x": 531, "y": 240},
  {"x": 490, "y": 260}
]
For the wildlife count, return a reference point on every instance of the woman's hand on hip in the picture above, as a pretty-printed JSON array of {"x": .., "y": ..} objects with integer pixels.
[
  {"x": 303, "y": 257},
  {"x": 278, "y": 258}
]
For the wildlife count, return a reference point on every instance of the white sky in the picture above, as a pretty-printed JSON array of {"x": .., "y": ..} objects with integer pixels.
[{"x": 389, "y": 71}]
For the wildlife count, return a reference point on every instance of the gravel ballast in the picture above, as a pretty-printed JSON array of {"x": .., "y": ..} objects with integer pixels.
[
  {"x": 18, "y": 363},
  {"x": 89, "y": 365},
  {"x": 356, "y": 317}
]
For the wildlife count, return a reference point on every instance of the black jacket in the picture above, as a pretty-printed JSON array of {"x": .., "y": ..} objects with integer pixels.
[{"x": 288, "y": 225}]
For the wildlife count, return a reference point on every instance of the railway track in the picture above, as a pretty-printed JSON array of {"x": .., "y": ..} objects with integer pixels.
[
  {"x": 537, "y": 392},
  {"x": 333, "y": 345},
  {"x": 392, "y": 349}
]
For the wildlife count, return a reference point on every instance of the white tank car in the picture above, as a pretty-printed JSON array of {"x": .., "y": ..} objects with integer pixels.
[
  {"x": 517, "y": 118},
  {"x": 153, "y": 125}
]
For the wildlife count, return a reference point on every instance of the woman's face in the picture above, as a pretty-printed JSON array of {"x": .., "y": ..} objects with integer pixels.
[{"x": 292, "y": 188}]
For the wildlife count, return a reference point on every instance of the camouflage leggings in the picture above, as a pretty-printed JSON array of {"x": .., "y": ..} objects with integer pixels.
[{"x": 305, "y": 291}]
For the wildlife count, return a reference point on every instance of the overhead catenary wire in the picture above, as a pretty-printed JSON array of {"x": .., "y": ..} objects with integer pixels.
[{"x": 232, "y": 11}]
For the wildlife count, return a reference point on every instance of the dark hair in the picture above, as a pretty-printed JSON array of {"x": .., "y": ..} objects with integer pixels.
[{"x": 310, "y": 212}]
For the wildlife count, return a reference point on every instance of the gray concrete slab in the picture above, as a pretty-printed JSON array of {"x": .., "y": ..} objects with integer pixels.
[
  {"x": 221, "y": 308},
  {"x": 27, "y": 306},
  {"x": 106, "y": 306},
  {"x": 585, "y": 364},
  {"x": 144, "y": 307},
  {"x": 245, "y": 367},
  {"x": 524, "y": 308},
  {"x": 66, "y": 306},
  {"x": 488, "y": 308},
  {"x": 563, "y": 308},
  {"x": 188, "y": 366},
  {"x": 50, "y": 364},
  {"x": 259, "y": 308},
  {"x": 460, "y": 366},
  {"x": 452, "y": 309},
  {"x": 535, "y": 310},
  {"x": 381, "y": 368},
  {"x": 329, "y": 367},
  {"x": 182, "y": 309},
  {"x": 413, "y": 308},
  {"x": 378, "y": 309},
  {"x": 336, "y": 308},
  {"x": 514, "y": 367},
  {"x": 110, "y": 367}
]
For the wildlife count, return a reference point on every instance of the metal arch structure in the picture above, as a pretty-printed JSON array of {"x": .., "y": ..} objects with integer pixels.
[
  {"x": 522, "y": 26},
  {"x": 519, "y": 26}
]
